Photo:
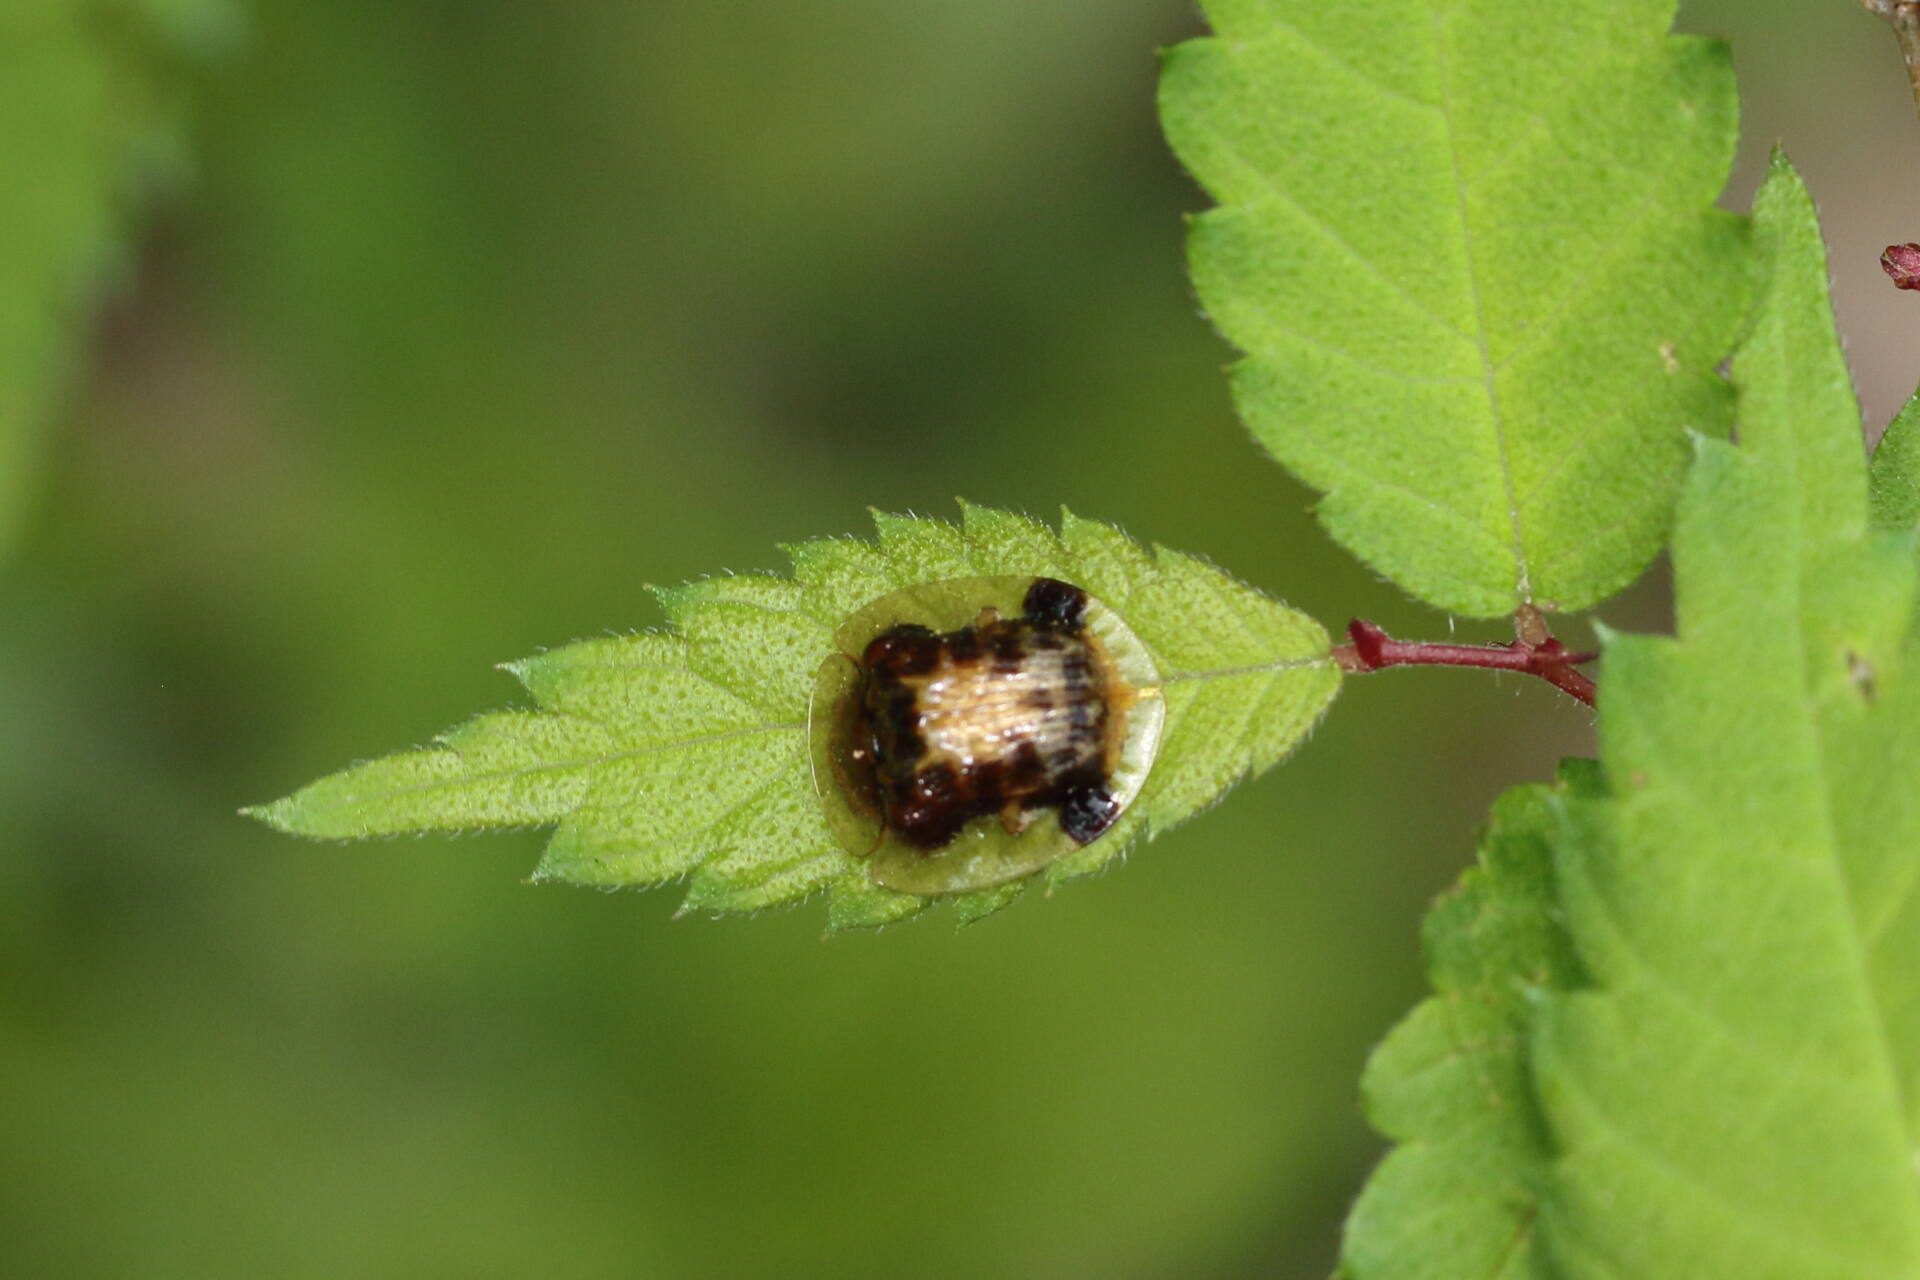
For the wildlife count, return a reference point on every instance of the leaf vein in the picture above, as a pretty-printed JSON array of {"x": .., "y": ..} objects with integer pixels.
[
  {"x": 587, "y": 762},
  {"x": 1523, "y": 585},
  {"x": 1359, "y": 71},
  {"x": 1333, "y": 236}
]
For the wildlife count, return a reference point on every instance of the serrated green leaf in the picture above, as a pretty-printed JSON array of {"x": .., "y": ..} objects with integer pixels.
[
  {"x": 1736, "y": 1094},
  {"x": 685, "y": 753},
  {"x": 1469, "y": 250},
  {"x": 1452, "y": 1082},
  {"x": 970, "y": 908},
  {"x": 1895, "y": 474},
  {"x": 1732, "y": 1089}
]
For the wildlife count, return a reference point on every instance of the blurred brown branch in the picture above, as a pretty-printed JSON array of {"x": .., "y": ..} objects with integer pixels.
[{"x": 1904, "y": 17}]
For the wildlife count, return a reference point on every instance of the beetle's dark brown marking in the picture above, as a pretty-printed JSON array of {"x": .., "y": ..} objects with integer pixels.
[
  {"x": 1088, "y": 811},
  {"x": 1026, "y": 771},
  {"x": 961, "y": 646},
  {"x": 1004, "y": 717},
  {"x": 1058, "y": 603}
]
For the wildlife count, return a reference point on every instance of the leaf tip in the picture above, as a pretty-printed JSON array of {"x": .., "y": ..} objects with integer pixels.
[
  {"x": 279, "y": 814},
  {"x": 885, "y": 523},
  {"x": 1783, "y": 184},
  {"x": 677, "y": 602}
]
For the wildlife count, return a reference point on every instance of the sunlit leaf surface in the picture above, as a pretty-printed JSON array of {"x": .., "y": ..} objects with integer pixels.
[
  {"x": 1469, "y": 250},
  {"x": 1722, "y": 1078}
]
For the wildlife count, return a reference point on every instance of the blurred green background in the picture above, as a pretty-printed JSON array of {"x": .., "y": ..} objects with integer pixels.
[{"x": 348, "y": 349}]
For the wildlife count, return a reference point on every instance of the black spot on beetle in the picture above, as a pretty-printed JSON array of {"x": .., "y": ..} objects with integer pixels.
[
  {"x": 1055, "y": 603},
  {"x": 1088, "y": 810}
]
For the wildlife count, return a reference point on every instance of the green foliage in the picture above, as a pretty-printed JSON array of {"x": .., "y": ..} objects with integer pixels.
[
  {"x": 1731, "y": 1087},
  {"x": 1452, "y": 1082},
  {"x": 1740, "y": 1085},
  {"x": 684, "y": 753},
  {"x": 1469, "y": 249},
  {"x": 77, "y": 123},
  {"x": 1895, "y": 474}
]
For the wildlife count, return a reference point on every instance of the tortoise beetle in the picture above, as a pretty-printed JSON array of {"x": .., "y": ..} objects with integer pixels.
[{"x": 973, "y": 730}]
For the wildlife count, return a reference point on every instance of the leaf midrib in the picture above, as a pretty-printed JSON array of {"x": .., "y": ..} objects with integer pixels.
[
  {"x": 1489, "y": 373},
  {"x": 587, "y": 762}
]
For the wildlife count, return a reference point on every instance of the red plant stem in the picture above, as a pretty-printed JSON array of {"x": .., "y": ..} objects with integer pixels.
[{"x": 1372, "y": 649}]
